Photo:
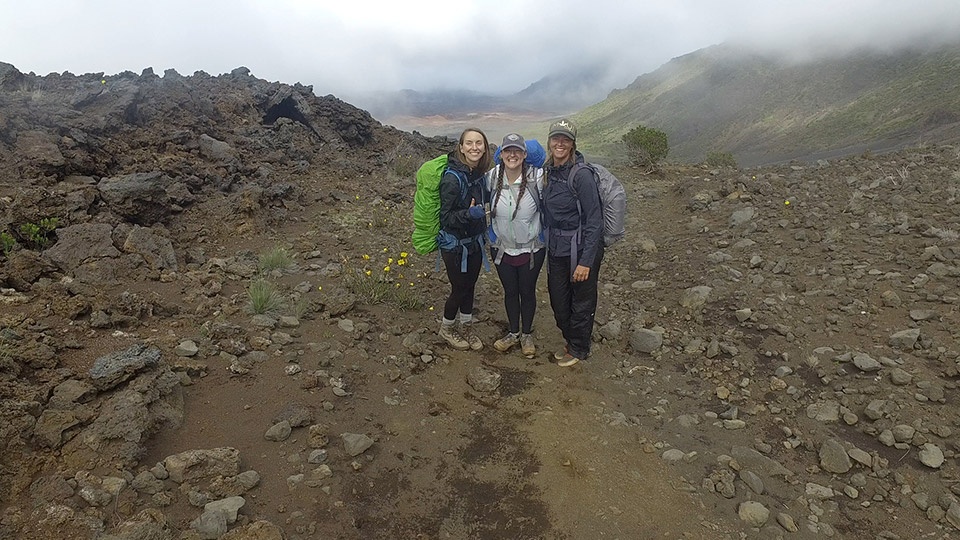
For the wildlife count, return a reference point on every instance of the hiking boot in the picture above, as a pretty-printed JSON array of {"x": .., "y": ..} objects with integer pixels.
[
  {"x": 506, "y": 342},
  {"x": 473, "y": 341},
  {"x": 560, "y": 354},
  {"x": 567, "y": 360},
  {"x": 450, "y": 334},
  {"x": 526, "y": 345}
]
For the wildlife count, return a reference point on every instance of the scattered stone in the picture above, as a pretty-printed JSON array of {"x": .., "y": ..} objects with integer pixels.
[
  {"x": 355, "y": 444},
  {"x": 484, "y": 379},
  {"x": 834, "y": 458},
  {"x": 754, "y": 513},
  {"x": 953, "y": 514},
  {"x": 278, "y": 432},
  {"x": 346, "y": 325},
  {"x": 752, "y": 481},
  {"x": 612, "y": 330},
  {"x": 645, "y": 340},
  {"x": 786, "y": 521},
  {"x": 890, "y": 299},
  {"x": 931, "y": 455},
  {"x": 875, "y": 409},
  {"x": 695, "y": 297},
  {"x": 317, "y": 436},
  {"x": 819, "y": 492},
  {"x": 903, "y": 433},
  {"x": 905, "y": 339},
  {"x": 673, "y": 455},
  {"x": 824, "y": 411},
  {"x": 899, "y": 377},
  {"x": 861, "y": 457},
  {"x": 748, "y": 458},
  {"x": 865, "y": 362},
  {"x": 187, "y": 349}
]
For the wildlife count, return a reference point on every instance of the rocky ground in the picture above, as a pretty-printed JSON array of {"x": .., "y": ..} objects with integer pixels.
[{"x": 775, "y": 348}]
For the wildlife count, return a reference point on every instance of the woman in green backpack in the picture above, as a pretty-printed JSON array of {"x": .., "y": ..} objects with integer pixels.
[{"x": 464, "y": 203}]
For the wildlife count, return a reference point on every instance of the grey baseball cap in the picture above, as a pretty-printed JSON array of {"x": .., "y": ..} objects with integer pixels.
[{"x": 513, "y": 140}]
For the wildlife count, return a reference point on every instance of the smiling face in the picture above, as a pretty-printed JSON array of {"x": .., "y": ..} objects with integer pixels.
[
  {"x": 561, "y": 148},
  {"x": 512, "y": 158},
  {"x": 472, "y": 146}
]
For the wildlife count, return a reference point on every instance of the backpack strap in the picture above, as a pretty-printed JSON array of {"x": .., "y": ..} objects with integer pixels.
[
  {"x": 461, "y": 181},
  {"x": 575, "y": 235},
  {"x": 537, "y": 201}
]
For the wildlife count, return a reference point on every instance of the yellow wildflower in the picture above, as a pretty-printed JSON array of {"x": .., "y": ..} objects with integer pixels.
[
  {"x": 366, "y": 257},
  {"x": 404, "y": 254},
  {"x": 386, "y": 268}
]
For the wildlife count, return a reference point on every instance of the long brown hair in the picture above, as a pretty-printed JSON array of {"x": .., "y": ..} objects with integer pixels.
[{"x": 486, "y": 161}]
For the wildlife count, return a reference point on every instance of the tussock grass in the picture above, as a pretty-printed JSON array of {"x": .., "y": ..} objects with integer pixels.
[
  {"x": 264, "y": 298},
  {"x": 277, "y": 258}
]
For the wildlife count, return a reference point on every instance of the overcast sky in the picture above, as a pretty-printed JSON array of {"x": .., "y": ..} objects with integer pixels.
[{"x": 350, "y": 46}]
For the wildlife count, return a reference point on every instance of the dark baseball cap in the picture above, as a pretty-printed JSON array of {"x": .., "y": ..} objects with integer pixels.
[
  {"x": 513, "y": 140},
  {"x": 563, "y": 127}
]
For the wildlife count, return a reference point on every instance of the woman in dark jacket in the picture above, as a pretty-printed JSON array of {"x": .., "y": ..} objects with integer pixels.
[
  {"x": 573, "y": 218},
  {"x": 464, "y": 202}
]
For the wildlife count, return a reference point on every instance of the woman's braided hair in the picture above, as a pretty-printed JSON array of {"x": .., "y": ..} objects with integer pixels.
[{"x": 523, "y": 189}]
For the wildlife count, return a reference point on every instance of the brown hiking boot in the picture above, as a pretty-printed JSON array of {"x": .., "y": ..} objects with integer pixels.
[
  {"x": 450, "y": 334},
  {"x": 472, "y": 340}
]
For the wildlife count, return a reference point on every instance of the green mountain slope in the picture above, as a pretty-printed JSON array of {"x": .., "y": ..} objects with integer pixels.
[{"x": 765, "y": 109}]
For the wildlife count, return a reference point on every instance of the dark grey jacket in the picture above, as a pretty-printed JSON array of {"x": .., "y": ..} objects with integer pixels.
[
  {"x": 562, "y": 216},
  {"x": 454, "y": 216}
]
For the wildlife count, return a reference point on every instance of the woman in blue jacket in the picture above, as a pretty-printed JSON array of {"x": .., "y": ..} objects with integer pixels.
[
  {"x": 463, "y": 223},
  {"x": 573, "y": 218}
]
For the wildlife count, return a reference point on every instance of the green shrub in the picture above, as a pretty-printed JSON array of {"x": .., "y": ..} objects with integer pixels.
[
  {"x": 720, "y": 159},
  {"x": 264, "y": 298},
  {"x": 6, "y": 242},
  {"x": 39, "y": 235},
  {"x": 277, "y": 258},
  {"x": 646, "y": 146}
]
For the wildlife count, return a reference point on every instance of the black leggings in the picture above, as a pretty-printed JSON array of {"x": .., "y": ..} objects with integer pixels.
[
  {"x": 520, "y": 290},
  {"x": 462, "y": 284}
]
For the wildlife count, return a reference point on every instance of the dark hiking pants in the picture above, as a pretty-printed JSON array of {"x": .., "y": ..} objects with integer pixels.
[{"x": 574, "y": 304}]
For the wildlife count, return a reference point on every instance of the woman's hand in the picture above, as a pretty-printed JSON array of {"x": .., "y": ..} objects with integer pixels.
[
  {"x": 476, "y": 212},
  {"x": 581, "y": 273}
]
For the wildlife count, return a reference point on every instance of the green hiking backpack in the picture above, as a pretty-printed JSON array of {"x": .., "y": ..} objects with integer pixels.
[{"x": 426, "y": 204}]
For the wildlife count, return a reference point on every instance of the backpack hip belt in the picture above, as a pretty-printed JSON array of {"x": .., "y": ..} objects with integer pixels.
[
  {"x": 575, "y": 238},
  {"x": 447, "y": 241}
]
